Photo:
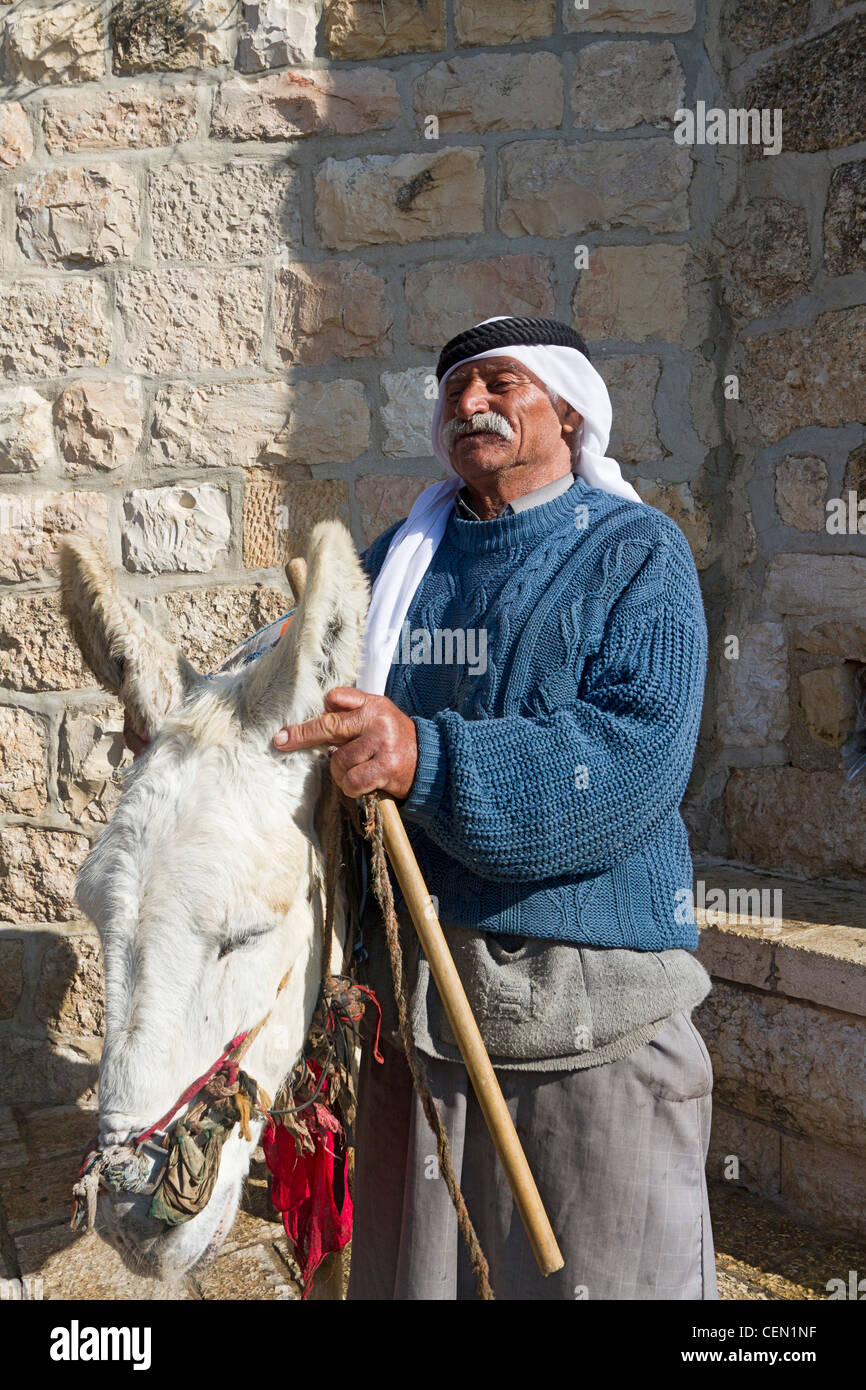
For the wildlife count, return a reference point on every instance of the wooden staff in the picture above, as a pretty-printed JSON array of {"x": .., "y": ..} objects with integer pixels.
[{"x": 460, "y": 1017}]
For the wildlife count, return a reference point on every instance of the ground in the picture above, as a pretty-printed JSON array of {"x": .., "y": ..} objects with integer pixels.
[{"x": 761, "y": 1253}]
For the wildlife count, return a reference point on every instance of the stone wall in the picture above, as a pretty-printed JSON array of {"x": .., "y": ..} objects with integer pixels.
[
  {"x": 789, "y": 257},
  {"x": 234, "y": 237}
]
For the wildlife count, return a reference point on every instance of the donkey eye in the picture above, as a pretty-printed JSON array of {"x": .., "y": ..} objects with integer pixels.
[{"x": 243, "y": 938}]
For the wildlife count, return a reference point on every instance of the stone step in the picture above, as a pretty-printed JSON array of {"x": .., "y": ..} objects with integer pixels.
[
  {"x": 785, "y": 1025},
  {"x": 809, "y": 943}
]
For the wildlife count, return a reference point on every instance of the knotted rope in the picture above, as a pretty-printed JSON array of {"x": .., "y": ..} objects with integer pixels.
[{"x": 372, "y": 831}]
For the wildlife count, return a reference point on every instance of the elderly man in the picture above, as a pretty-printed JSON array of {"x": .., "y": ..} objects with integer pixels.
[{"x": 541, "y": 789}]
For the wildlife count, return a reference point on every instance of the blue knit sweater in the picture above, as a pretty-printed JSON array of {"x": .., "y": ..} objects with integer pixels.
[{"x": 551, "y": 765}]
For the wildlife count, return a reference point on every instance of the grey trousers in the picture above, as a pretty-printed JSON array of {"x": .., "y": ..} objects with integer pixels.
[{"x": 618, "y": 1153}]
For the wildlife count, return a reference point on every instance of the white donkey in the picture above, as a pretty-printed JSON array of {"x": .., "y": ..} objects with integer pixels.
[{"x": 201, "y": 886}]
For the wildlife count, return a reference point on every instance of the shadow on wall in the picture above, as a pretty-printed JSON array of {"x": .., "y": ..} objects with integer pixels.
[{"x": 51, "y": 1016}]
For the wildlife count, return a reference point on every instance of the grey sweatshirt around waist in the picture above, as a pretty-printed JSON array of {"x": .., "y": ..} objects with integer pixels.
[{"x": 548, "y": 1006}]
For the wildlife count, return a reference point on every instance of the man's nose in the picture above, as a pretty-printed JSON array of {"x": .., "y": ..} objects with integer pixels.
[{"x": 472, "y": 404}]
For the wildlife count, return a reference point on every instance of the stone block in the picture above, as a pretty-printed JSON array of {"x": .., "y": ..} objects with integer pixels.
[
  {"x": 38, "y": 1195},
  {"x": 828, "y": 703},
  {"x": 48, "y": 1071},
  {"x": 503, "y": 21},
  {"x": 171, "y": 35},
  {"x": 384, "y": 499},
  {"x": 23, "y": 761},
  {"x": 327, "y": 422},
  {"x": 31, "y": 527},
  {"x": 37, "y": 873},
  {"x": 632, "y": 382},
  {"x": 279, "y": 515},
  {"x": 99, "y": 424},
  {"x": 183, "y": 528},
  {"x": 786, "y": 1063},
  {"x": 79, "y": 217},
  {"x": 811, "y": 586},
  {"x": 176, "y": 320},
  {"x": 817, "y": 86},
  {"x": 367, "y": 29},
  {"x": 845, "y": 220},
  {"x": 69, "y": 992},
  {"x": 408, "y": 413},
  {"x": 765, "y": 257},
  {"x": 330, "y": 309},
  {"x": 633, "y": 292},
  {"x": 11, "y": 986},
  {"x": 809, "y": 824},
  {"x": 446, "y": 297},
  {"x": 49, "y": 327},
  {"x": 631, "y": 16},
  {"x": 223, "y": 212},
  {"x": 53, "y": 1130},
  {"x": 16, "y": 137},
  {"x": 44, "y": 44},
  {"x": 379, "y": 198},
  {"x": 752, "y": 708},
  {"x": 807, "y": 376},
  {"x": 37, "y": 652},
  {"x": 756, "y": 24},
  {"x": 619, "y": 85},
  {"x": 278, "y": 33},
  {"x": 491, "y": 91},
  {"x": 91, "y": 758},
  {"x": 555, "y": 188},
  {"x": 801, "y": 490},
  {"x": 128, "y": 118},
  {"x": 26, "y": 437},
  {"x": 315, "y": 101}
]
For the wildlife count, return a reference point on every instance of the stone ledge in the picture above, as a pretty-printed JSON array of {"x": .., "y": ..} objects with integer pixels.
[{"x": 815, "y": 950}]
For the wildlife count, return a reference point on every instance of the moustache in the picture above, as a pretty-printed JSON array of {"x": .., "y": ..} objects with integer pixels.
[{"x": 488, "y": 421}]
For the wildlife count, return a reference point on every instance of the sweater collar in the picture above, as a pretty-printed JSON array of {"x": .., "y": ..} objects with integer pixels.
[
  {"x": 529, "y": 499},
  {"x": 511, "y": 529}
]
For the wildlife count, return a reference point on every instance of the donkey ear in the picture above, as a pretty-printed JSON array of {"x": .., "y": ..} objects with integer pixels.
[
  {"x": 321, "y": 647},
  {"x": 126, "y": 655}
]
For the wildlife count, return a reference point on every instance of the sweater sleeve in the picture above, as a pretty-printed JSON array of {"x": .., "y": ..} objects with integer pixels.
[{"x": 525, "y": 797}]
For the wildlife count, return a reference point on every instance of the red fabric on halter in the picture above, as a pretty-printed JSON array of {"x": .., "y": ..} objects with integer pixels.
[
  {"x": 190, "y": 1091},
  {"x": 303, "y": 1187}
]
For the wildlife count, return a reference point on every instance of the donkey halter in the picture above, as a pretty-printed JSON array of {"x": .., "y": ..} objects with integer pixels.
[{"x": 164, "y": 1162}]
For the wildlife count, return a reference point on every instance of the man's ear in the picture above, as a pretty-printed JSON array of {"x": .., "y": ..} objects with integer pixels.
[
  {"x": 126, "y": 655},
  {"x": 321, "y": 647},
  {"x": 570, "y": 419}
]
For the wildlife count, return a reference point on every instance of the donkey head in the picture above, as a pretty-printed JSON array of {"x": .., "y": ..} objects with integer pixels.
[{"x": 201, "y": 886}]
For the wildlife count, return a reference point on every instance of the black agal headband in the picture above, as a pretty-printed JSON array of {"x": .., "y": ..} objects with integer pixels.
[{"x": 505, "y": 332}]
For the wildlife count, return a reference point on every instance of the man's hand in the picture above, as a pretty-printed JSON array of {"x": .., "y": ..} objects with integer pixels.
[{"x": 375, "y": 744}]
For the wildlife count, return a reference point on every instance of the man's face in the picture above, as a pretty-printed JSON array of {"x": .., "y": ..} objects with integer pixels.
[{"x": 498, "y": 414}]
